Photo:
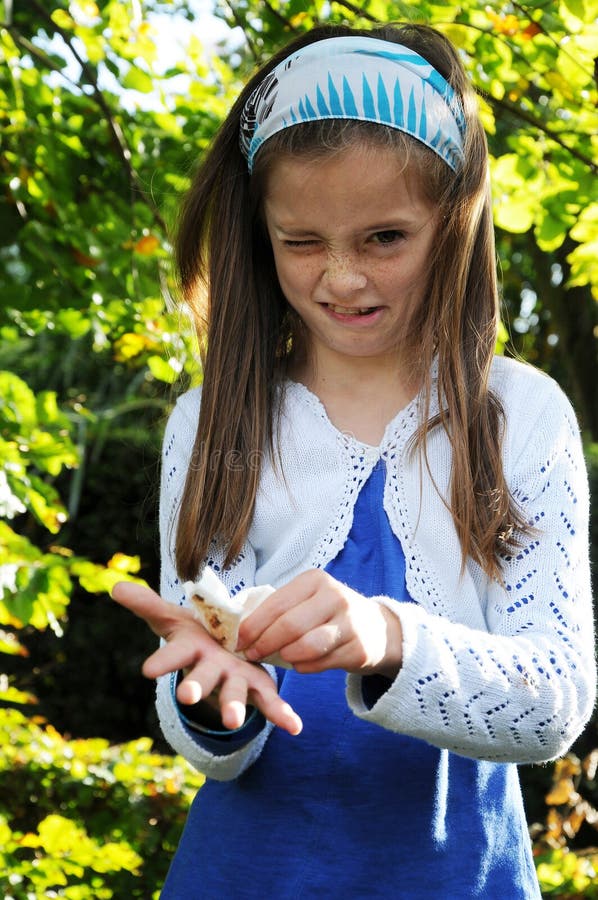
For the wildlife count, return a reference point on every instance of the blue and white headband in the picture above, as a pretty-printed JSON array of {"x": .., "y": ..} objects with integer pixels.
[{"x": 361, "y": 78}]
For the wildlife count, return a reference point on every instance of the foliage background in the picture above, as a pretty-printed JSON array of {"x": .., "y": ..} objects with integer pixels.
[{"x": 104, "y": 110}]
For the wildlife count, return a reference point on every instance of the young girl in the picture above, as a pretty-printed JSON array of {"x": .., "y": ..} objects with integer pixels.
[{"x": 420, "y": 504}]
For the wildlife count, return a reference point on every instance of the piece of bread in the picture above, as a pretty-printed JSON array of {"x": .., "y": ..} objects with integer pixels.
[{"x": 220, "y": 614}]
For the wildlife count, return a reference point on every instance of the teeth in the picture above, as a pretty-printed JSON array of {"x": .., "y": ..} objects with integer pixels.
[{"x": 344, "y": 311}]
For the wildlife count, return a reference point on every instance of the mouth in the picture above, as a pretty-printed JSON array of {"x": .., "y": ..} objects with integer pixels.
[{"x": 352, "y": 311}]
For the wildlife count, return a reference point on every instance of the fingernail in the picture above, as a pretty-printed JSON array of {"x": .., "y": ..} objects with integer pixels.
[
  {"x": 251, "y": 654},
  {"x": 298, "y": 726}
]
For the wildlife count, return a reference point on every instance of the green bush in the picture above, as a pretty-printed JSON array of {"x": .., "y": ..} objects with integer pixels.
[
  {"x": 85, "y": 820},
  {"x": 568, "y": 875}
]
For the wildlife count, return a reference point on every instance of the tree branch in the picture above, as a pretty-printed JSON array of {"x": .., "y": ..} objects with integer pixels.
[
  {"x": 527, "y": 14},
  {"x": 520, "y": 113},
  {"x": 37, "y": 53},
  {"x": 537, "y": 123},
  {"x": 243, "y": 26},
  {"x": 114, "y": 128},
  {"x": 357, "y": 11},
  {"x": 277, "y": 15}
]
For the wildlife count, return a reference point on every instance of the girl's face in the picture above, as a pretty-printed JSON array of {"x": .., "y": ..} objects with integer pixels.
[{"x": 352, "y": 235}]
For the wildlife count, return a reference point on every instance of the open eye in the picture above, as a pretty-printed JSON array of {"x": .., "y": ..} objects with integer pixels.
[{"x": 389, "y": 236}]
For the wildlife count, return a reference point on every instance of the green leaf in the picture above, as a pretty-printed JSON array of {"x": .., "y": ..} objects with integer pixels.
[
  {"x": 18, "y": 400},
  {"x": 74, "y": 321},
  {"x": 577, "y": 8},
  {"x": 10, "y": 645},
  {"x": 98, "y": 579},
  {"x": 164, "y": 370},
  {"x": 42, "y": 499},
  {"x": 138, "y": 80},
  {"x": 48, "y": 412},
  {"x": 12, "y": 695}
]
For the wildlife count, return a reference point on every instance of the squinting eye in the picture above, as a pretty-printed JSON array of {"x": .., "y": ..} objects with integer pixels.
[
  {"x": 387, "y": 237},
  {"x": 299, "y": 243}
]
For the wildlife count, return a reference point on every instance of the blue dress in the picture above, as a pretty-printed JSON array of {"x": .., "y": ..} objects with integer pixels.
[{"x": 350, "y": 810}]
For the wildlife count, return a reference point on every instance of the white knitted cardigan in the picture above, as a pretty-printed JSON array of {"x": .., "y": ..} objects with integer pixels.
[{"x": 503, "y": 673}]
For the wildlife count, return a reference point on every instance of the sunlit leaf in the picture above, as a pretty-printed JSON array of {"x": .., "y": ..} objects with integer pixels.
[
  {"x": 562, "y": 792},
  {"x": 130, "y": 345},
  {"x": 10, "y": 645},
  {"x": 11, "y": 694},
  {"x": 147, "y": 245},
  {"x": 98, "y": 579},
  {"x": 164, "y": 370},
  {"x": 502, "y": 23},
  {"x": 120, "y": 562},
  {"x": 63, "y": 19},
  {"x": 138, "y": 80}
]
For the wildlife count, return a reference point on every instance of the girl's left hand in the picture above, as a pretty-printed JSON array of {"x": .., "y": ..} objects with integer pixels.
[{"x": 315, "y": 623}]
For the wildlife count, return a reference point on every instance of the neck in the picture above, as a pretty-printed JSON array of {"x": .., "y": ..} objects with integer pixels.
[{"x": 360, "y": 395}]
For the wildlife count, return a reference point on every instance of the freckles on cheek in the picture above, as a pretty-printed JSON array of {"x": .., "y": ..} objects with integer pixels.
[
  {"x": 296, "y": 279},
  {"x": 282, "y": 271}
]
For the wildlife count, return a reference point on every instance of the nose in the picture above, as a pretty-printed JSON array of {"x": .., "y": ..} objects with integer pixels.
[{"x": 343, "y": 274}]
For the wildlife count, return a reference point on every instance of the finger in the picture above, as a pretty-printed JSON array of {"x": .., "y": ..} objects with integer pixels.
[
  {"x": 251, "y": 685},
  {"x": 297, "y": 591},
  {"x": 337, "y": 659},
  {"x": 310, "y": 626},
  {"x": 136, "y": 597},
  {"x": 233, "y": 701},
  {"x": 199, "y": 683},
  {"x": 316, "y": 644},
  {"x": 148, "y": 605},
  {"x": 262, "y": 618},
  {"x": 167, "y": 658},
  {"x": 277, "y": 711},
  {"x": 180, "y": 653}
]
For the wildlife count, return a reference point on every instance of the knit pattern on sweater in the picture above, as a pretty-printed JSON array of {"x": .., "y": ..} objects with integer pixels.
[{"x": 502, "y": 672}]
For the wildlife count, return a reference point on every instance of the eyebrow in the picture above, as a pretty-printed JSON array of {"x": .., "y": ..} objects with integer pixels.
[
  {"x": 292, "y": 232},
  {"x": 397, "y": 224}
]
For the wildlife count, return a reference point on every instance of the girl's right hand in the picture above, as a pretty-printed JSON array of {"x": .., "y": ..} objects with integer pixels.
[{"x": 207, "y": 666}]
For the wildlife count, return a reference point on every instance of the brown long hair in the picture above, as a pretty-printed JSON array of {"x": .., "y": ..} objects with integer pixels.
[{"x": 248, "y": 333}]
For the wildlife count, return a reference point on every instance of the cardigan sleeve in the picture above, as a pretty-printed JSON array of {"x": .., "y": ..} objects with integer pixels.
[
  {"x": 521, "y": 689},
  {"x": 176, "y": 452}
]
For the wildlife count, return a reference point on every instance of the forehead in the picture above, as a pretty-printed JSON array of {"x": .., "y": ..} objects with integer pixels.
[{"x": 365, "y": 180}]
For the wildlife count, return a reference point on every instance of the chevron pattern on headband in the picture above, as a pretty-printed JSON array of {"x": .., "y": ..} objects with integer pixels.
[{"x": 365, "y": 79}]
